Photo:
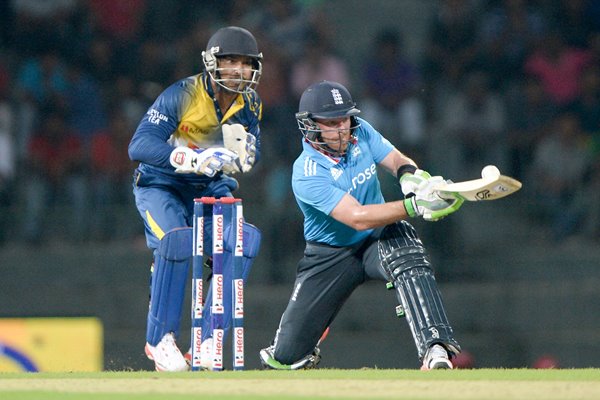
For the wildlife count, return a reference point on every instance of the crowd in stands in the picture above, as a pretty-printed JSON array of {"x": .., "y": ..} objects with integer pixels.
[{"x": 515, "y": 83}]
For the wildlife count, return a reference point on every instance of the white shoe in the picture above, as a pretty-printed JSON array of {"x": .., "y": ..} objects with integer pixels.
[
  {"x": 206, "y": 354},
  {"x": 206, "y": 361},
  {"x": 166, "y": 355},
  {"x": 436, "y": 358}
]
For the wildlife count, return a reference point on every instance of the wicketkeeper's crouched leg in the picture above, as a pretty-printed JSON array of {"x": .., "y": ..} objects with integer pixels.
[
  {"x": 408, "y": 267},
  {"x": 171, "y": 265}
]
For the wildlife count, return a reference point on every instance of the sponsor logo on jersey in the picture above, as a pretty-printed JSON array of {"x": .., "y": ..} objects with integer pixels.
[
  {"x": 194, "y": 130},
  {"x": 154, "y": 117},
  {"x": 363, "y": 177},
  {"x": 336, "y": 173}
]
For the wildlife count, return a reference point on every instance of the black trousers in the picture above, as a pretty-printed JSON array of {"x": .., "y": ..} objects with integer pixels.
[{"x": 325, "y": 278}]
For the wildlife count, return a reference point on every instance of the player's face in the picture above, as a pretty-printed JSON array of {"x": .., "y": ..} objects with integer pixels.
[
  {"x": 234, "y": 68},
  {"x": 335, "y": 133}
]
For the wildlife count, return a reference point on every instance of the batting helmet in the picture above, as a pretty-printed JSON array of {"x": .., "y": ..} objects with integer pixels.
[
  {"x": 325, "y": 100},
  {"x": 233, "y": 41}
]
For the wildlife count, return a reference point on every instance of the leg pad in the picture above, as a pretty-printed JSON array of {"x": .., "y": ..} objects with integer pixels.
[
  {"x": 169, "y": 278},
  {"x": 408, "y": 267}
]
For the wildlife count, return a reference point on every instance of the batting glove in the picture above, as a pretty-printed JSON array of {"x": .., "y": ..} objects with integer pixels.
[
  {"x": 428, "y": 204},
  {"x": 410, "y": 182}
]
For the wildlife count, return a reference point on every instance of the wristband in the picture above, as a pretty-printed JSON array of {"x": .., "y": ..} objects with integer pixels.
[
  {"x": 405, "y": 168},
  {"x": 409, "y": 206}
]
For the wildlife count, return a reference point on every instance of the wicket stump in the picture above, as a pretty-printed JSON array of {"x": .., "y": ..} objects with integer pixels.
[{"x": 224, "y": 208}]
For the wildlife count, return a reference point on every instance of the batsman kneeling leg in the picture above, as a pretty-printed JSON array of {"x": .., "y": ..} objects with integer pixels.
[{"x": 407, "y": 265}]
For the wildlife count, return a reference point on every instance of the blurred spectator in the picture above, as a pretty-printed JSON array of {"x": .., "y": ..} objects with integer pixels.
[
  {"x": 391, "y": 99},
  {"x": 574, "y": 19},
  {"x": 120, "y": 20},
  {"x": 278, "y": 105},
  {"x": 451, "y": 48},
  {"x": 126, "y": 97},
  {"x": 507, "y": 33},
  {"x": 587, "y": 105},
  {"x": 154, "y": 63},
  {"x": 122, "y": 23},
  {"x": 6, "y": 23},
  {"x": 101, "y": 60},
  {"x": 286, "y": 25},
  {"x": 589, "y": 196},
  {"x": 318, "y": 62},
  {"x": 557, "y": 176},
  {"x": 247, "y": 13},
  {"x": 167, "y": 19},
  {"x": 84, "y": 103},
  {"x": 111, "y": 172},
  {"x": 41, "y": 81},
  {"x": 281, "y": 235},
  {"x": 8, "y": 157},
  {"x": 55, "y": 172},
  {"x": 188, "y": 49},
  {"x": 559, "y": 67},
  {"x": 530, "y": 113},
  {"x": 474, "y": 128},
  {"x": 41, "y": 24}
]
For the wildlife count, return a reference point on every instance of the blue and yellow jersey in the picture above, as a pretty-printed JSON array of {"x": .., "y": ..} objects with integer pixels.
[
  {"x": 186, "y": 114},
  {"x": 319, "y": 183}
]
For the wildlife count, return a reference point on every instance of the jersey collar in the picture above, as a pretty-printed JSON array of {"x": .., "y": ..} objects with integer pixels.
[
  {"x": 235, "y": 107},
  {"x": 321, "y": 157}
]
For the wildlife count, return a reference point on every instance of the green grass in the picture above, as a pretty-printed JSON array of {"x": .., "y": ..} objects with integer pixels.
[{"x": 313, "y": 384}]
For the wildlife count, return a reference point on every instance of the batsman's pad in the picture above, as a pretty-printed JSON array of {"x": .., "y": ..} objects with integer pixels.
[
  {"x": 407, "y": 265},
  {"x": 169, "y": 278},
  {"x": 252, "y": 238}
]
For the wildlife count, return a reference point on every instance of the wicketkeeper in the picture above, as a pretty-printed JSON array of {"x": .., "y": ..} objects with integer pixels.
[
  {"x": 352, "y": 235},
  {"x": 197, "y": 133}
]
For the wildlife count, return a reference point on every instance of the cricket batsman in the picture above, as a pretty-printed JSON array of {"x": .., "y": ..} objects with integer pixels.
[
  {"x": 199, "y": 131},
  {"x": 353, "y": 235}
]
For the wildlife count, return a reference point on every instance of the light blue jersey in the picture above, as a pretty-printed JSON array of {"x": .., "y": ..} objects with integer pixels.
[{"x": 319, "y": 183}]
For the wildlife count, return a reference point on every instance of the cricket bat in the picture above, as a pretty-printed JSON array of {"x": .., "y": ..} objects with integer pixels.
[{"x": 491, "y": 186}]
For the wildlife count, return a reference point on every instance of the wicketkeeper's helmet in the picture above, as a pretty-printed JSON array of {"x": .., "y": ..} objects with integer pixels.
[
  {"x": 232, "y": 41},
  {"x": 325, "y": 100}
]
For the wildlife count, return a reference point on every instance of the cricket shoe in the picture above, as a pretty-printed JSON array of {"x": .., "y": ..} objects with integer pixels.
[
  {"x": 436, "y": 358},
  {"x": 268, "y": 361},
  {"x": 206, "y": 361},
  {"x": 166, "y": 355}
]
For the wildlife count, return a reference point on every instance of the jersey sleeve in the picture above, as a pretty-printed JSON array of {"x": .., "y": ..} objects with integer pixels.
[
  {"x": 379, "y": 145},
  {"x": 316, "y": 190},
  {"x": 149, "y": 143}
]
